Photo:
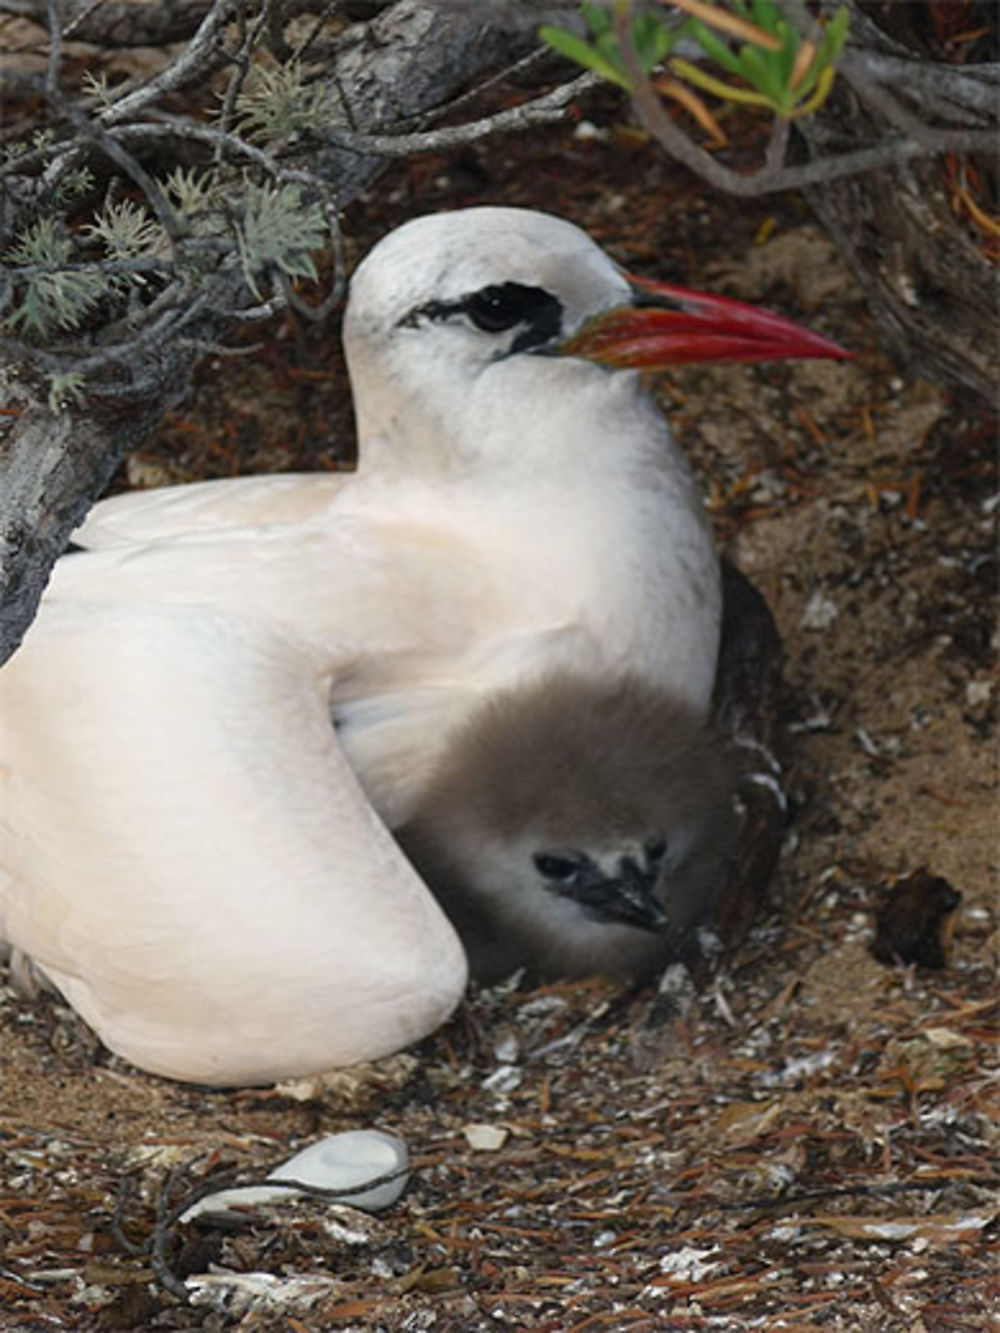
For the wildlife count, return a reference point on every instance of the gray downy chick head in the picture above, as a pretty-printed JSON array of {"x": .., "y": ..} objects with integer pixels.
[{"x": 576, "y": 827}]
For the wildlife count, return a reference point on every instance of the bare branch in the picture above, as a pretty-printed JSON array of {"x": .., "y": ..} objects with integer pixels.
[
  {"x": 111, "y": 23},
  {"x": 879, "y": 98},
  {"x": 203, "y": 53},
  {"x": 54, "y": 18},
  {"x": 777, "y": 146},
  {"x": 173, "y": 318},
  {"x": 177, "y": 127},
  {"x": 543, "y": 110},
  {"x": 249, "y": 33},
  {"x": 968, "y": 88},
  {"x": 510, "y": 71},
  {"x": 91, "y": 130}
]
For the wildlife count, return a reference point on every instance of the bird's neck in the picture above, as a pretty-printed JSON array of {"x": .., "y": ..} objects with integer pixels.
[{"x": 518, "y": 422}]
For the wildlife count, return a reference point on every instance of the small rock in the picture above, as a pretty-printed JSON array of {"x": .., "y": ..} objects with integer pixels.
[
  {"x": 503, "y": 1080},
  {"x": 485, "y": 1138},
  {"x": 507, "y": 1048},
  {"x": 587, "y": 131},
  {"x": 977, "y": 692},
  {"x": 820, "y": 612}
]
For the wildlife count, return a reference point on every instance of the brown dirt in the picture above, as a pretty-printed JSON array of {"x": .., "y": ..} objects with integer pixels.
[{"x": 811, "y": 1148}]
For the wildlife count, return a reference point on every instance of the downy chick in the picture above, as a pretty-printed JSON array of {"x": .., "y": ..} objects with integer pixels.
[{"x": 576, "y": 827}]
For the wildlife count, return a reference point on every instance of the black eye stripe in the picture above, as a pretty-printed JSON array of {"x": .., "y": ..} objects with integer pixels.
[{"x": 498, "y": 308}]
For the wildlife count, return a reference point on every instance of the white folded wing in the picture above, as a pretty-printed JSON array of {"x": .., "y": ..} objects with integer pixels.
[
  {"x": 141, "y": 517},
  {"x": 190, "y": 859}
]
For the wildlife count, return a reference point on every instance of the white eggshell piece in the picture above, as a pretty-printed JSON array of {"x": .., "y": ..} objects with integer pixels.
[
  {"x": 338, "y": 1162},
  {"x": 485, "y": 1138}
]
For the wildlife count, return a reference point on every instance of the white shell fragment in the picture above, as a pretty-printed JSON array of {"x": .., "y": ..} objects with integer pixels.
[
  {"x": 820, "y": 612},
  {"x": 239, "y": 1294},
  {"x": 485, "y": 1138},
  {"x": 340, "y": 1162}
]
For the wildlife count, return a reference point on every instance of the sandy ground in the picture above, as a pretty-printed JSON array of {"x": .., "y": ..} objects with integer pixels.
[{"x": 811, "y": 1148}]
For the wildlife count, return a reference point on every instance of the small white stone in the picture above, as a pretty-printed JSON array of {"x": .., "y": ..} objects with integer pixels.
[
  {"x": 587, "y": 130},
  {"x": 689, "y": 1264},
  {"x": 507, "y": 1048},
  {"x": 945, "y": 1039},
  {"x": 485, "y": 1138},
  {"x": 504, "y": 1079},
  {"x": 820, "y": 611},
  {"x": 978, "y": 692}
]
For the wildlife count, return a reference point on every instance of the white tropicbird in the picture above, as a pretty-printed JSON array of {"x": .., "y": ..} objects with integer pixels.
[{"x": 185, "y": 851}]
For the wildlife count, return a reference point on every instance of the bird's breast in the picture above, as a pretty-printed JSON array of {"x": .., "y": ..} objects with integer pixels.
[{"x": 597, "y": 593}]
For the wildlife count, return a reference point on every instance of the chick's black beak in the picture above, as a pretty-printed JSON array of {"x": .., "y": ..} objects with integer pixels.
[
  {"x": 627, "y": 897},
  {"x": 632, "y": 897}
]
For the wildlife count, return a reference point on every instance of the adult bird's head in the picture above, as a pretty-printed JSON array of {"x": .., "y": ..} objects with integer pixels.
[
  {"x": 576, "y": 827},
  {"x": 458, "y": 322}
]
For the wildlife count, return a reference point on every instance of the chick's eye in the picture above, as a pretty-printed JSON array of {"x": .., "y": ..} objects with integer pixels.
[
  {"x": 656, "y": 850},
  {"x": 494, "y": 309},
  {"x": 558, "y": 868}
]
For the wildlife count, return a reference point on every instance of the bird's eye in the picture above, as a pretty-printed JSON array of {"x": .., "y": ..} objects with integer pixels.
[
  {"x": 497, "y": 309},
  {"x": 494, "y": 309},
  {"x": 557, "y": 868},
  {"x": 656, "y": 850}
]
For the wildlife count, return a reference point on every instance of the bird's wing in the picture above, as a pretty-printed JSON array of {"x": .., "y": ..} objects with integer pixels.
[
  {"x": 203, "y": 507},
  {"x": 186, "y": 853},
  {"x": 364, "y": 586}
]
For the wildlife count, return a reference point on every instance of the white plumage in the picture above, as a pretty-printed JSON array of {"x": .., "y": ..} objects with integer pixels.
[{"x": 184, "y": 849}]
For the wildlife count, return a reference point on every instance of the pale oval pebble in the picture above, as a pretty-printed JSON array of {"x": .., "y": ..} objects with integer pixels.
[
  {"x": 344, "y": 1161},
  {"x": 340, "y": 1162}
]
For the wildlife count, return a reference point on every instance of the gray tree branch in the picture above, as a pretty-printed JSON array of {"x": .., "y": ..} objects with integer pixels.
[{"x": 116, "y": 22}]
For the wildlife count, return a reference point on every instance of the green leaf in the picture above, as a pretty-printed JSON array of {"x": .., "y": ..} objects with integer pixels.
[
  {"x": 75, "y": 183},
  {"x": 827, "y": 53},
  {"x": 653, "y": 41},
  {"x": 785, "y": 58},
  {"x": 279, "y": 231},
  {"x": 597, "y": 19},
  {"x": 725, "y": 91},
  {"x": 582, "y": 53},
  {"x": 761, "y": 73},
  {"x": 57, "y": 298},
  {"x": 607, "y": 46},
  {"x": 834, "y": 38},
  {"x": 715, "y": 48},
  {"x": 278, "y": 102},
  {"x": 126, "y": 230},
  {"x": 766, "y": 15},
  {"x": 823, "y": 87}
]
